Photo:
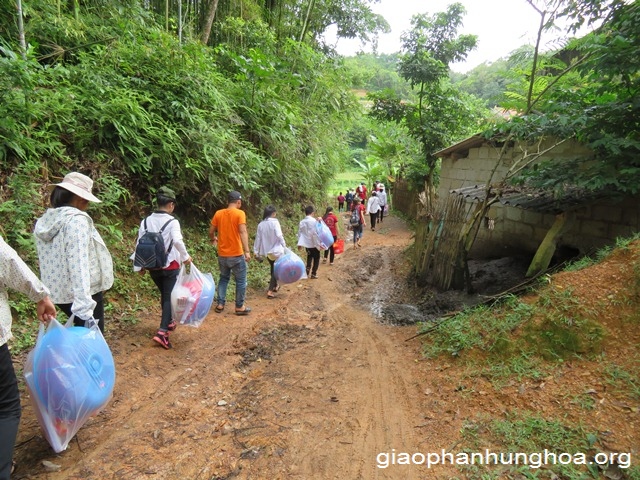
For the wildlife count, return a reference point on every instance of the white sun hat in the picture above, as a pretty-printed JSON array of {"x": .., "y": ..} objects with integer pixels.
[{"x": 80, "y": 185}]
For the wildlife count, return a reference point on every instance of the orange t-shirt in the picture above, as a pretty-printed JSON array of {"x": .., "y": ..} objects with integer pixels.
[{"x": 227, "y": 222}]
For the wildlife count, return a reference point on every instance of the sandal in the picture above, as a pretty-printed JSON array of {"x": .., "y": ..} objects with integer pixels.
[
  {"x": 219, "y": 308},
  {"x": 277, "y": 288},
  {"x": 270, "y": 295},
  {"x": 245, "y": 311}
]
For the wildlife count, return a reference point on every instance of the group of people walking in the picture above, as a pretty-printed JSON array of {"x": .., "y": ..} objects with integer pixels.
[
  {"x": 76, "y": 267},
  {"x": 270, "y": 242},
  {"x": 376, "y": 206}
]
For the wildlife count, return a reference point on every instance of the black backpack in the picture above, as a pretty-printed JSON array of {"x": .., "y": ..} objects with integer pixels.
[
  {"x": 150, "y": 253},
  {"x": 354, "y": 221}
]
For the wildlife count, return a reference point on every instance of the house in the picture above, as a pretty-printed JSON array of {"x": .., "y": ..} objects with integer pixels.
[{"x": 523, "y": 219}]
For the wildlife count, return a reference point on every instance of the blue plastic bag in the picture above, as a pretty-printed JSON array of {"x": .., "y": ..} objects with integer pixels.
[
  {"x": 70, "y": 375},
  {"x": 289, "y": 268}
]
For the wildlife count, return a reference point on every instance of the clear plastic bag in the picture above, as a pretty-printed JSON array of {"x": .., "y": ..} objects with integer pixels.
[
  {"x": 70, "y": 375},
  {"x": 192, "y": 296},
  {"x": 289, "y": 268},
  {"x": 325, "y": 237}
]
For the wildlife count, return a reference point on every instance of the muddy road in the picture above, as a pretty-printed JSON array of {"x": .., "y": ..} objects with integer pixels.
[{"x": 314, "y": 384}]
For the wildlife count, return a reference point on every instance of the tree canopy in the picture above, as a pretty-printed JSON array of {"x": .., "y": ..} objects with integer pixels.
[
  {"x": 441, "y": 113},
  {"x": 588, "y": 91}
]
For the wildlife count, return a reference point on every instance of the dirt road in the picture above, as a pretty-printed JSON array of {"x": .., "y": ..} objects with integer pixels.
[{"x": 311, "y": 385}]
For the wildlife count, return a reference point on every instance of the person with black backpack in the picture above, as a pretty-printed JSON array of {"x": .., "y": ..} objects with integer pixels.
[
  {"x": 349, "y": 199},
  {"x": 161, "y": 250},
  {"x": 357, "y": 221}
]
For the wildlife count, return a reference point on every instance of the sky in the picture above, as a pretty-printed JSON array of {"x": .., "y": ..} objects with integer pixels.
[{"x": 500, "y": 25}]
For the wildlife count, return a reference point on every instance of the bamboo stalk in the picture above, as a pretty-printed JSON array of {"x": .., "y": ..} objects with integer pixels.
[{"x": 23, "y": 43}]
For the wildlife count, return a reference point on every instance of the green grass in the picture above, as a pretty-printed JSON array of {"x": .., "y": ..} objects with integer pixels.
[
  {"x": 530, "y": 434},
  {"x": 623, "y": 380},
  {"x": 517, "y": 338},
  {"x": 344, "y": 181}
]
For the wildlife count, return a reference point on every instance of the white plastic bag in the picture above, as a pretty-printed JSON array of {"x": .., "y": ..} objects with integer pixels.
[
  {"x": 70, "y": 375},
  {"x": 324, "y": 236},
  {"x": 192, "y": 296}
]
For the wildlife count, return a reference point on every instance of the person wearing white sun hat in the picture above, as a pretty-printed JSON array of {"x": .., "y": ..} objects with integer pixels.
[{"x": 74, "y": 261}]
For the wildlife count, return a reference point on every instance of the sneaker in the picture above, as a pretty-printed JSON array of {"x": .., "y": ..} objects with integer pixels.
[
  {"x": 172, "y": 326},
  {"x": 163, "y": 339},
  {"x": 331, "y": 264},
  {"x": 324, "y": 260},
  {"x": 313, "y": 275}
]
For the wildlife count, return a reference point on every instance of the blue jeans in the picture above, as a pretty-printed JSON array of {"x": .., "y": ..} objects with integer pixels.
[
  {"x": 237, "y": 266},
  {"x": 357, "y": 233}
]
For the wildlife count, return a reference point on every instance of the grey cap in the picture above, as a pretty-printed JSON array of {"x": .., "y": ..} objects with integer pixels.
[{"x": 234, "y": 196}]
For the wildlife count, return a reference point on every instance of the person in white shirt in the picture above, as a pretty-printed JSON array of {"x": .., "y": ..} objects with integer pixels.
[
  {"x": 165, "y": 278},
  {"x": 270, "y": 243},
  {"x": 373, "y": 207},
  {"x": 382, "y": 198},
  {"x": 14, "y": 275},
  {"x": 308, "y": 238}
]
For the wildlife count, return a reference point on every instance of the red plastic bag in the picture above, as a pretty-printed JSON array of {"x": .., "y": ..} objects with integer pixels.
[{"x": 338, "y": 246}]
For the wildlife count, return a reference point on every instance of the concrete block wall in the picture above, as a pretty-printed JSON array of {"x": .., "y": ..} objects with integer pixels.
[{"x": 596, "y": 225}]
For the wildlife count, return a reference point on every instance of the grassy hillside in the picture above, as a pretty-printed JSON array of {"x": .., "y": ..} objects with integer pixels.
[{"x": 557, "y": 369}]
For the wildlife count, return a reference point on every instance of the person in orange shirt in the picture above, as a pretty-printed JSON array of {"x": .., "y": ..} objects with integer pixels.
[{"x": 228, "y": 231}]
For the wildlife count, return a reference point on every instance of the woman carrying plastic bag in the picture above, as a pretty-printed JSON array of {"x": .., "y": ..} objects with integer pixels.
[
  {"x": 325, "y": 237},
  {"x": 70, "y": 375},
  {"x": 192, "y": 296},
  {"x": 270, "y": 243}
]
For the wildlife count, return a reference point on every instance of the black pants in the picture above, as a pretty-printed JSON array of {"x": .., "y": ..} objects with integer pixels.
[
  {"x": 165, "y": 280},
  {"x": 9, "y": 411},
  {"x": 381, "y": 212},
  {"x": 98, "y": 311},
  {"x": 329, "y": 252},
  {"x": 313, "y": 260},
  {"x": 373, "y": 217},
  {"x": 273, "y": 283}
]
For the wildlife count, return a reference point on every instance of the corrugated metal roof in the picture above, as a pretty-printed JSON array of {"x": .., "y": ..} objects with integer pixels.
[{"x": 534, "y": 199}]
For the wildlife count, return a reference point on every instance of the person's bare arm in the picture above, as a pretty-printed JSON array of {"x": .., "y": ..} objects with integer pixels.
[
  {"x": 213, "y": 234},
  {"x": 244, "y": 237}
]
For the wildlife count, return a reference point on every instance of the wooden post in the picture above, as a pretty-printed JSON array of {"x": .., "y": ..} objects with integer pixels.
[{"x": 547, "y": 248}]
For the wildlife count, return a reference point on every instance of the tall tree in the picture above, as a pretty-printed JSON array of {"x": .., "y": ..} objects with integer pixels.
[
  {"x": 587, "y": 91},
  {"x": 208, "y": 22},
  {"x": 441, "y": 113}
]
